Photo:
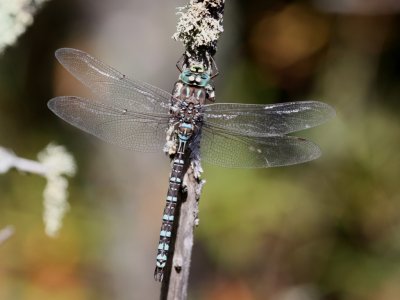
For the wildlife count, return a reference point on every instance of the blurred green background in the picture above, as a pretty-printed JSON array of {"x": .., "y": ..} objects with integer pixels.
[{"x": 328, "y": 229}]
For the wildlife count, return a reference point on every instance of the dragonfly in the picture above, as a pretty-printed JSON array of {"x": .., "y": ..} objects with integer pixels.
[{"x": 187, "y": 124}]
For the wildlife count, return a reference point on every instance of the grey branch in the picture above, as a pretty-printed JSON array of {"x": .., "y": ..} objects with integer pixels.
[
  {"x": 188, "y": 220},
  {"x": 199, "y": 28}
]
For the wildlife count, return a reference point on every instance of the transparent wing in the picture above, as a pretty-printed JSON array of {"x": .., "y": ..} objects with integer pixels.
[
  {"x": 238, "y": 151},
  {"x": 266, "y": 120},
  {"x": 144, "y": 132},
  {"x": 112, "y": 86}
]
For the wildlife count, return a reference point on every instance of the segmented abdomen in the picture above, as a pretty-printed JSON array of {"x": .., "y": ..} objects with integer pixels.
[{"x": 164, "y": 245}]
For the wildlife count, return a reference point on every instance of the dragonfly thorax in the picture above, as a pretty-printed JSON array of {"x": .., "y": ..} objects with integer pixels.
[
  {"x": 187, "y": 102},
  {"x": 186, "y": 115},
  {"x": 189, "y": 112}
]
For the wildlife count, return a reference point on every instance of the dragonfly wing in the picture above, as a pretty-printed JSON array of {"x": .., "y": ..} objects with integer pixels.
[
  {"x": 238, "y": 151},
  {"x": 129, "y": 129},
  {"x": 270, "y": 119},
  {"x": 112, "y": 86}
]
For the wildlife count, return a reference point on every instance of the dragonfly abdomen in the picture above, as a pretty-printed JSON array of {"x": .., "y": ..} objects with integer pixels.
[{"x": 169, "y": 215}]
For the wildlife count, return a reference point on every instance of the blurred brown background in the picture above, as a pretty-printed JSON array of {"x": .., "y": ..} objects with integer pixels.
[{"x": 329, "y": 229}]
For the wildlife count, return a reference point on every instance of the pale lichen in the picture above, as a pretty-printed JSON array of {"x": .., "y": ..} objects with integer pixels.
[
  {"x": 15, "y": 17},
  {"x": 58, "y": 162},
  {"x": 54, "y": 163},
  {"x": 170, "y": 145},
  {"x": 197, "y": 27},
  {"x": 197, "y": 169}
]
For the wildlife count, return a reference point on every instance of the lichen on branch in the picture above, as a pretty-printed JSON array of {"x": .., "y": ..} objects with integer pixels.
[
  {"x": 15, "y": 17},
  {"x": 54, "y": 163},
  {"x": 200, "y": 25}
]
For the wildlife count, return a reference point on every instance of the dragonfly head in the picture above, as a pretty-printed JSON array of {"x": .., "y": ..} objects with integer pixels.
[{"x": 196, "y": 75}]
